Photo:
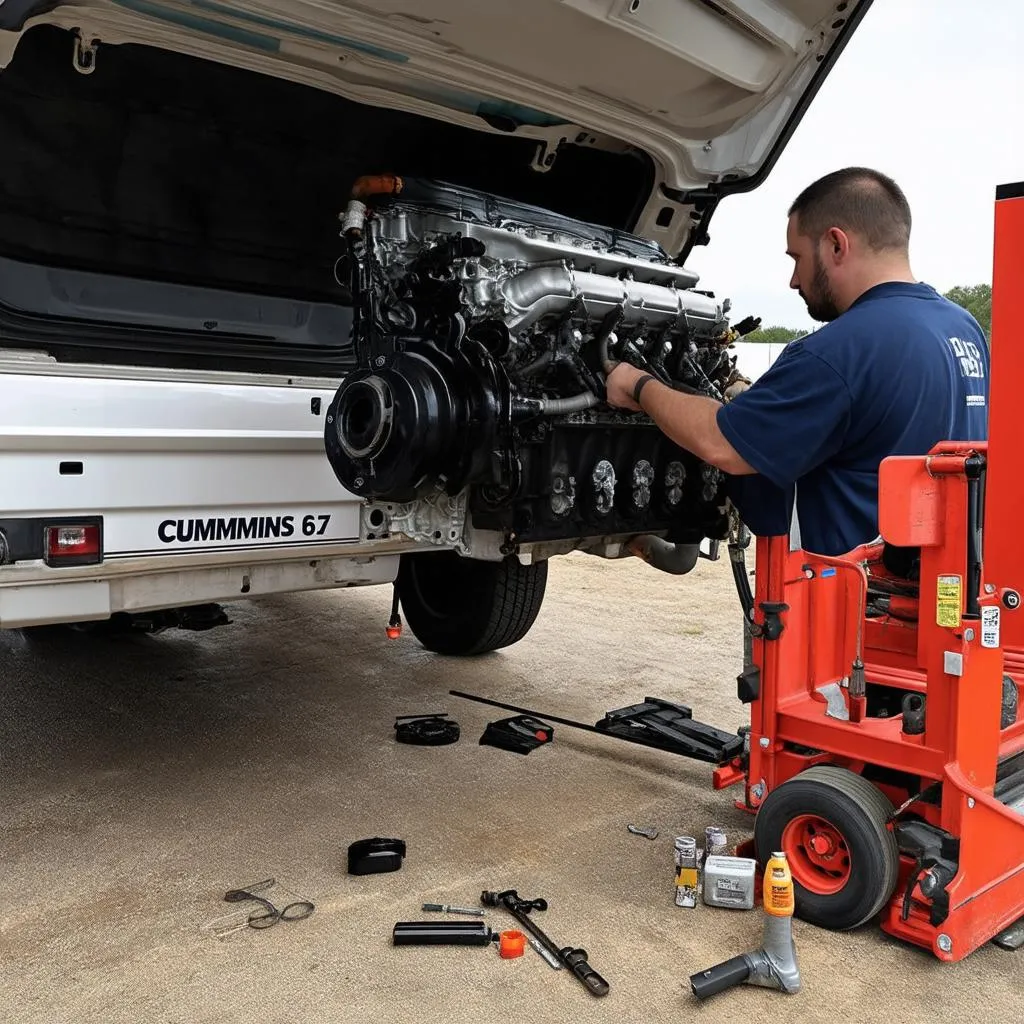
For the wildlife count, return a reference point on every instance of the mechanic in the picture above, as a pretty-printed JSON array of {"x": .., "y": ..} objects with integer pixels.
[{"x": 896, "y": 369}]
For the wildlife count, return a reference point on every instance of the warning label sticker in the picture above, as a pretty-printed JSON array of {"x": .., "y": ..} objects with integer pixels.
[
  {"x": 948, "y": 601},
  {"x": 990, "y": 626}
]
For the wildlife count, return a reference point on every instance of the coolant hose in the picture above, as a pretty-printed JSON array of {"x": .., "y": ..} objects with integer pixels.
[
  {"x": 677, "y": 559},
  {"x": 542, "y": 362},
  {"x": 560, "y": 406},
  {"x": 606, "y": 335},
  {"x": 607, "y": 364}
]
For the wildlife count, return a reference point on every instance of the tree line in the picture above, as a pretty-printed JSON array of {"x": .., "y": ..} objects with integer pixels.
[{"x": 975, "y": 298}]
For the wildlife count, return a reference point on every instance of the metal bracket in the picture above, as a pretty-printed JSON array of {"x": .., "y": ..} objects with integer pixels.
[
  {"x": 547, "y": 149},
  {"x": 748, "y": 684},
  {"x": 438, "y": 519},
  {"x": 714, "y": 550},
  {"x": 771, "y": 628},
  {"x": 544, "y": 157},
  {"x": 836, "y": 705},
  {"x": 83, "y": 59}
]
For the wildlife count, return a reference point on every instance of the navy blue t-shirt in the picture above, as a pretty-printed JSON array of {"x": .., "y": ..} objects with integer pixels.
[{"x": 902, "y": 369}]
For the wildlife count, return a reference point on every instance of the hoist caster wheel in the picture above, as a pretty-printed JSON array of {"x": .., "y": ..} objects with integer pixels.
[{"x": 832, "y": 826}]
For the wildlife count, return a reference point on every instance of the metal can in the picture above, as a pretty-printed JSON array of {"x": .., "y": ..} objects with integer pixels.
[
  {"x": 686, "y": 871},
  {"x": 715, "y": 842},
  {"x": 730, "y": 882}
]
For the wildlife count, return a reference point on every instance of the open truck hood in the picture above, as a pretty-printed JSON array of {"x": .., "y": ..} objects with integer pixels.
[{"x": 708, "y": 90}]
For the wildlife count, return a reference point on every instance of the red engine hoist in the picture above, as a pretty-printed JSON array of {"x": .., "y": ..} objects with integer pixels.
[
  {"x": 886, "y": 744},
  {"x": 885, "y": 751}
]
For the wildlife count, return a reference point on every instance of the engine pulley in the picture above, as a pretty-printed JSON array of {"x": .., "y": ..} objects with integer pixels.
[{"x": 423, "y": 420}]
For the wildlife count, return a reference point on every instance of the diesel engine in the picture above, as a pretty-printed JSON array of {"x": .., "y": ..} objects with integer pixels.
[{"x": 483, "y": 333}]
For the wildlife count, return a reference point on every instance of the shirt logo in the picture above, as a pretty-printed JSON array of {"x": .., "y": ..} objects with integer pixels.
[{"x": 969, "y": 357}]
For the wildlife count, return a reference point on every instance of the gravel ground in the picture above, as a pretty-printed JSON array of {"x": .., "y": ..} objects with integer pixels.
[{"x": 143, "y": 777}]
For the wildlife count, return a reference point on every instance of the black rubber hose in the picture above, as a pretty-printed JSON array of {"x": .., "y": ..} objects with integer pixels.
[
  {"x": 739, "y": 575},
  {"x": 612, "y": 319},
  {"x": 720, "y": 977},
  {"x": 540, "y": 363}
]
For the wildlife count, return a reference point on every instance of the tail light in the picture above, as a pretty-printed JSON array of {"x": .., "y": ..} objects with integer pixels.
[{"x": 72, "y": 544}]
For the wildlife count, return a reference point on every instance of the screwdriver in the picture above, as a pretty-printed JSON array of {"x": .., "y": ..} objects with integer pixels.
[{"x": 447, "y": 908}]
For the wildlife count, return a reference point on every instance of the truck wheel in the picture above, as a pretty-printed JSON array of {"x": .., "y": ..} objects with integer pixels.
[
  {"x": 832, "y": 826},
  {"x": 457, "y": 605}
]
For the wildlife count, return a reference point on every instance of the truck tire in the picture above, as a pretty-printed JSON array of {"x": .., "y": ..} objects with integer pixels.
[
  {"x": 833, "y": 827},
  {"x": 464, "y": 606}
]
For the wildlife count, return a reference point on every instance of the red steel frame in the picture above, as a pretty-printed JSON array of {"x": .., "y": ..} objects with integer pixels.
[{"x": 923, "y": 503}]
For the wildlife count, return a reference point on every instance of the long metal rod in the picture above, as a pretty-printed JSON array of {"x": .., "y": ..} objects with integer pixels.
[
  {"x": 535, "y": 714},
  {"x": 974, "y": 536},
  {"x": 646, "y": 743}
]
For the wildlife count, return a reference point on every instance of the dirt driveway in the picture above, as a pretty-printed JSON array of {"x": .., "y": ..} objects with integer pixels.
[{"x": 141, "y": 778}]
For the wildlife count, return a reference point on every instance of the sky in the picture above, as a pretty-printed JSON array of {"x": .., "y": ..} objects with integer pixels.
[{"x": 930, "y": 92}]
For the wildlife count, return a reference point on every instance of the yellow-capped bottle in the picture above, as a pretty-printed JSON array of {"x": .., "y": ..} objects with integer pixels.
[{"x": 778, "y": 887}]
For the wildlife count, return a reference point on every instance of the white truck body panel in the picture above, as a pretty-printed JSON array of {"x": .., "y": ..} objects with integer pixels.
[
  {"x": 210, "y": 487},
  {"x": 707, "y": 90}
]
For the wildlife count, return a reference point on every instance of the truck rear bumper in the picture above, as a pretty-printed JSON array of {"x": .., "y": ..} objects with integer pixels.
[{"x": 45, "y": 602}]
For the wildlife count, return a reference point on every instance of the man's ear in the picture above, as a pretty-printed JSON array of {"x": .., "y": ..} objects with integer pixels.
[{"x": 837, "y": 244}]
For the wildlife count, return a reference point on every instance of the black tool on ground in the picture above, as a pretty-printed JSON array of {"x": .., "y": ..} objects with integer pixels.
[
  {"x": 772, "y": 966},
  {"x": 442, "y": 933},
  {"x": 426, "y": 730},
  {"x": 520, "y": 734},
  {"x": 573, "y": 958},
  {"x": 654, "y": 723},
  {"x": 375, "y": 856},
  {"x": 269, "y": 915}
]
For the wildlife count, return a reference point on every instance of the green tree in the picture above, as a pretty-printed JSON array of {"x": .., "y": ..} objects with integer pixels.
[
  {"x": 774, "y": 335},
  {"x": 977, "y": 300}
]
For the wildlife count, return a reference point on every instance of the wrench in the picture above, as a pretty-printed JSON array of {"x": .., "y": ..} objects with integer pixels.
[{"x": 643, "y": 830}]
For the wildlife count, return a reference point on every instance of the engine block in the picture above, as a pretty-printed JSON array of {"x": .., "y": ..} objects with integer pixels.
[{"x": 483, "y": 332}]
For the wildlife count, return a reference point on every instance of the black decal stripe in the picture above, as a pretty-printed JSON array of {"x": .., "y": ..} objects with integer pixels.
[
  {"x": 1011, "y": 190},
  {"x": 306, "y": 542}
]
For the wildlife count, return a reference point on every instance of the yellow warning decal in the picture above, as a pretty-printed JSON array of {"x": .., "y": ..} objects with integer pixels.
[{"x": 948, "y": 601}]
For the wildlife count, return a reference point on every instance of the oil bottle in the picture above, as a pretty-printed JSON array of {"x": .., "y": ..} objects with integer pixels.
[{"x": 778, "y": 887}]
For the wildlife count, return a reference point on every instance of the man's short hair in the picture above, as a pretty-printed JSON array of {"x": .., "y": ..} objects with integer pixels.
[{"x": 855, "y": 199}]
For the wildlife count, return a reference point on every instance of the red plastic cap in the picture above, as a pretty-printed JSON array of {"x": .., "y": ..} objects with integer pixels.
[
  {"x": 511, "y": 944},
  {"x": 394, "y": 632}
]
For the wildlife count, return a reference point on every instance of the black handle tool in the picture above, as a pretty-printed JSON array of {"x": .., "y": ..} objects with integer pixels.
[{"x": 573, "y": 958}]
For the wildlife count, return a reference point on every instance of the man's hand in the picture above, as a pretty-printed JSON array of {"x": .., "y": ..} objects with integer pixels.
[
  {"x": 620, "y": 384},
  {"x": 688, "y": 420},
  {"x": 737, "y": 387}
]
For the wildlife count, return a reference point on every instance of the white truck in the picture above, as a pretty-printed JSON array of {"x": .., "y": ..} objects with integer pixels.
[{"x": 309, "y": 295}]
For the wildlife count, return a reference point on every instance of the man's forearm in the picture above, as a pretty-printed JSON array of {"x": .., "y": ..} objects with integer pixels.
[{"x": 691, "y": 421}]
